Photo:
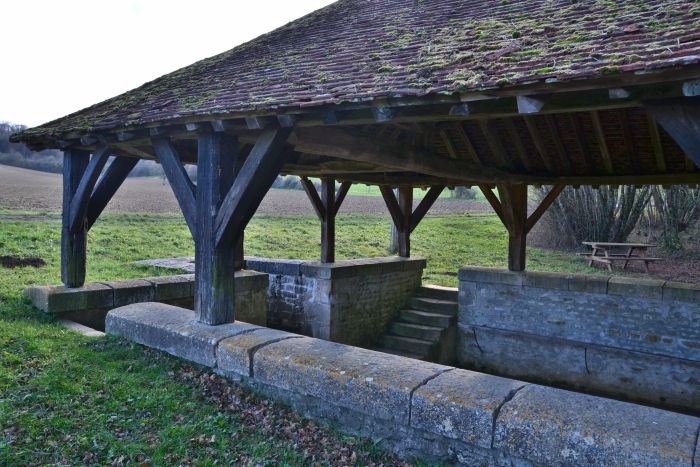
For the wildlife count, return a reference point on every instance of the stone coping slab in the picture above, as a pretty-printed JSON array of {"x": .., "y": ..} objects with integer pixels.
[
  {"x": 553, "y": 427},
  {"x": 95, "y": 295},
  {"x": 591, "y": 283},
  {"x": 173, "y": 330},
  {"x": 370, "y": 382},
  {"x": 462, "y": 404},
  {"x": 490, "y": 418},
  {"x": 337, "y": 270}
]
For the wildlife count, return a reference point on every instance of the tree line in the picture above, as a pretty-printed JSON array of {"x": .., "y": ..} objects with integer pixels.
[{"x": 51, "y": 160}]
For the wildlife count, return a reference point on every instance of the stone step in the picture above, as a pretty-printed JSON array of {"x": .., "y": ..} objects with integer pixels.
[
  {"x": 438, "y": 292},
  {"x": 399, "y": 353},
  {"x": 427, "y": 318},
  {"x": 408, "y": 344},
  {"x": 443, "y": 307},
  {"x": 417, "y": 331}
]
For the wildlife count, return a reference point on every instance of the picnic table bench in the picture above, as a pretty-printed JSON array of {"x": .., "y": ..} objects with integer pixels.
[{"x": 607, "y": 257}]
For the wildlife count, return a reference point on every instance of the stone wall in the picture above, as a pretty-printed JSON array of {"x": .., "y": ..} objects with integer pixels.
[
  {"x": 89, "y": 304},
  {"x": 420, "y": 409},
  {"x": 631, "y": 338},
  {"x": 350, "y": 302}
]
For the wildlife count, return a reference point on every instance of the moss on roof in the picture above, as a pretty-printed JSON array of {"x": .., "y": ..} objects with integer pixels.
[{"x": 356, "y": 50}]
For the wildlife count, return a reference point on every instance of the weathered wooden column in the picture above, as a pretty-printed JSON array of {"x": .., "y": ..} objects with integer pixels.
[
  {"x": 82, "y": 204},
  {"x": 406, "y": 208},
  {"x": 328, "y": 221},
  {"x": 73, "y": 244},
  {"x": 326, "y": 207},
  {"x": 405, "y": 219},
  {"x": 512, "y": 210},
  {"x": 514, "y": 204},
  {"x": 214, "y": 266}
]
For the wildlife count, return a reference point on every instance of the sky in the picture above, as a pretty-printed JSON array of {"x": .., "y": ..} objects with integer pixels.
[{"x": 62, "y": 56}]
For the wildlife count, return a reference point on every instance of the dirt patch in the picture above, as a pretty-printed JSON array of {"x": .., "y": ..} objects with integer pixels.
[
  {"x": 15, "y": 262},
  {"x": 29, "y": 190}
]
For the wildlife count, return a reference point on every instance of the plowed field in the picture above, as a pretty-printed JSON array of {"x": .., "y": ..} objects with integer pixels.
[{"x": 29, "y": 190}]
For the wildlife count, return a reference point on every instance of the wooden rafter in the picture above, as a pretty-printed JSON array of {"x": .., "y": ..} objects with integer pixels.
[
  {"x": 495, "y": 144},
  {"x": 539, "y": 144},
  {"x": 515, "y": 137},
  {"x": 656, "y": 143},
  {"x": 629, "y": 143},
  {"x": 452, "y": 151},
  {"x": 468, "y": 143},
  {"x": 561, "y": 150},
  {"x": 582, "y": 144},
  {"x": 602, "y": 143}
]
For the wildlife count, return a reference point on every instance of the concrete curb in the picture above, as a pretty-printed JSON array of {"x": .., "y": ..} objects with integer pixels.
[{"x": 420, "y": 408}]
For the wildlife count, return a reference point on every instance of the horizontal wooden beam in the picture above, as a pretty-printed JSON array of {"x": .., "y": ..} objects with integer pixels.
[{"x": 344, "y": 144}]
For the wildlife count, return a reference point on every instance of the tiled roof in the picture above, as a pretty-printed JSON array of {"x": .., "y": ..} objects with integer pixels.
[{"x": 356, "y": 50}]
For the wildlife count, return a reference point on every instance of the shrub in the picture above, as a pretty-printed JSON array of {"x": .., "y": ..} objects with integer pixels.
[
  {"x": 673, "y": 210},
  {"x": 463, "y": 192},
  {"x": 605, "y": 214}
]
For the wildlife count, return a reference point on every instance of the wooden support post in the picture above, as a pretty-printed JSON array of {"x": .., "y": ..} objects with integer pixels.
[
  {"x": 402, "y": 214},
  {"x": 512, "y": 210},
  {"x": 406, "y": 208},
  {"x": 214, "y": 266},
  {"x": 328, "y": 222},
  {"x": 326, "y": 207},
  {"x": 73, "y": 244},
  {"x": 514, "y": 202}
]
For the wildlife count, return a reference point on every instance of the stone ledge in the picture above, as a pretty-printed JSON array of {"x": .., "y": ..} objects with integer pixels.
[
  {"x": 638, "y": 288},
  {"x": 235, "y": 354},
  {"x": 591, "y": 283},
  {"x": 490, "y": 275},
  {"x": 553, "y": 427},
  {"x": 372, "y": 383},
  {"x": 283, "y": 267},
  {"x": 489, "y": 418},
  {"x": 98, "y": 295},
  {"x": 172, "y": 329},
  {"x": 57, "y": 298},
  {"x": 461, "y": 404}
]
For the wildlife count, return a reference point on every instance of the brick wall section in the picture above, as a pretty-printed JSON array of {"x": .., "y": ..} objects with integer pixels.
[
  {"x": 350, "y": 302},
  {"x": 634, "y": 338}
]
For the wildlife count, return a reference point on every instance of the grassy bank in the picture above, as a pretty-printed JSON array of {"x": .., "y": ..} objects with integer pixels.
[{"x": 70, "y": 400}]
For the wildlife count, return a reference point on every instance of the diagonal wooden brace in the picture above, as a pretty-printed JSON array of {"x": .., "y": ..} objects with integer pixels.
[
  {"x": 183, "y": 188},
  {"x": 81, "y": 198},
  {"x": 252, "y": 183}
]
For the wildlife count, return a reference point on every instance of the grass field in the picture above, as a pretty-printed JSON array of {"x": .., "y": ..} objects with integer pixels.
[{"x": 66, "y": 399}]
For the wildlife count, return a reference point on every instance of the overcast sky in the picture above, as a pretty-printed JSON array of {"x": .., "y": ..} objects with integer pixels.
[{"x": 62, "y": 56}]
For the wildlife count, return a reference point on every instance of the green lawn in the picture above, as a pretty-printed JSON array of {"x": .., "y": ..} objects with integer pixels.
[{"x": 69, "y": 399}]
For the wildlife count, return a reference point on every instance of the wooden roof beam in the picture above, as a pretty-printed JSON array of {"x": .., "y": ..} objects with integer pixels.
[
  {"x": 495, "y": 144},
  {"x": 561, "y": 150},
  {"x": 582, "y": 144},
  {"x": 602, "y": 143},
  {"x": 539, "y": 144}
]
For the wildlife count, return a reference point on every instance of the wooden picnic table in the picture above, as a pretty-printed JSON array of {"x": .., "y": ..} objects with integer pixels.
[{"x": 607, "y": 257}]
